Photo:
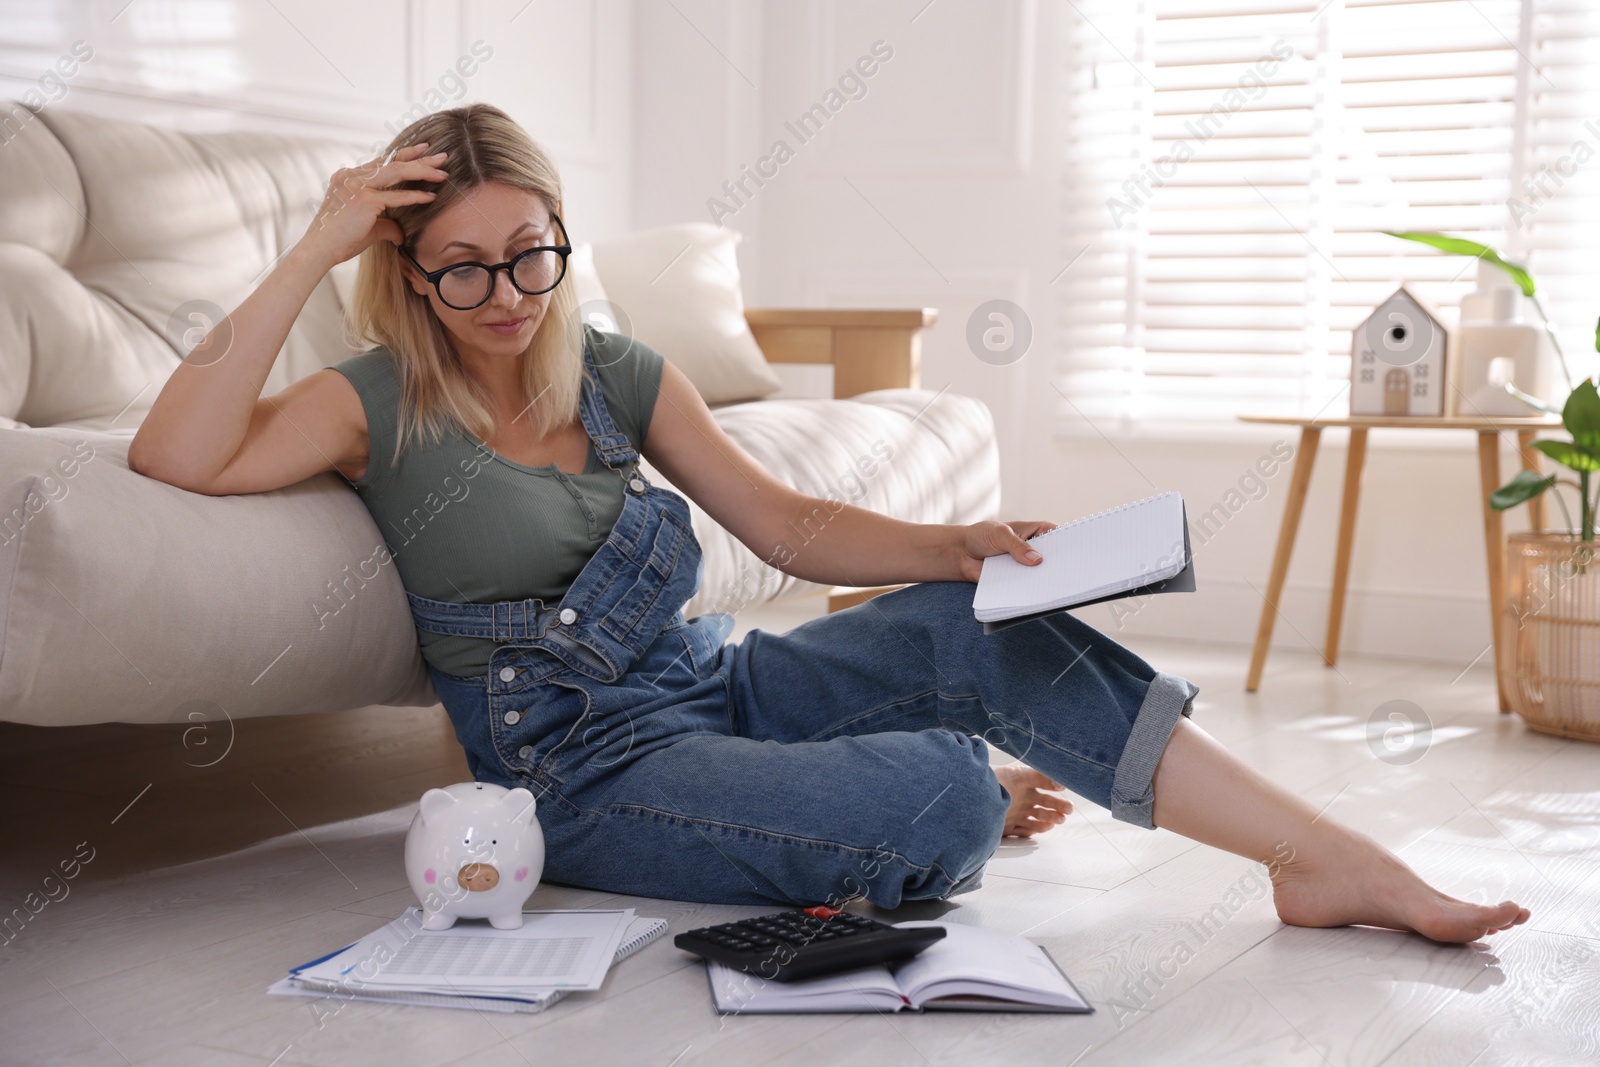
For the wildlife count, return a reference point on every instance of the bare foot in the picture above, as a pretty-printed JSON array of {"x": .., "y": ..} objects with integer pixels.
[
  {"x": 1353, "y": 880},
  {"x": 1032, "y": 810}
]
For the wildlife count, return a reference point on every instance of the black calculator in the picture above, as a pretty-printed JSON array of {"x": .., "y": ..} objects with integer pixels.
[{"x": 791, "y": 945}]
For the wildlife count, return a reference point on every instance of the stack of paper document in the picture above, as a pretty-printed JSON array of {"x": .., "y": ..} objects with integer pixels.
[{"x": 472, "y": 964}]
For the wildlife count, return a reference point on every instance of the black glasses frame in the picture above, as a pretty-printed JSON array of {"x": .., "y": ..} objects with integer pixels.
[{"x": 494, "y": 269}]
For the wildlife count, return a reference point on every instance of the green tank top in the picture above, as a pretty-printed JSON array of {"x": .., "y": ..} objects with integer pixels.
[{"x": 465, "y": 524}]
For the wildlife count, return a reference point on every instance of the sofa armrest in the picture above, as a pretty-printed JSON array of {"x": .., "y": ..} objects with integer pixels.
[{"x": 868, "y": 349}]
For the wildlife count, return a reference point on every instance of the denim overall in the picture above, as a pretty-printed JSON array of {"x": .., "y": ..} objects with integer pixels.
[{"x": 842, "y": 759}]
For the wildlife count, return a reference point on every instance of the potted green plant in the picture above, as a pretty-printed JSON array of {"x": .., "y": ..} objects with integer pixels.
[
  {"x": 1550, "y": 626},
  {"x": 1550, "y": 621}
]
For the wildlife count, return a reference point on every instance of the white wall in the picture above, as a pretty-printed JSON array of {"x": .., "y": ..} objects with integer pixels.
[
  {"x": 940, "y": 187},
  {"x": 357, "y": 71},
  {"x": 697, "y": 110}
]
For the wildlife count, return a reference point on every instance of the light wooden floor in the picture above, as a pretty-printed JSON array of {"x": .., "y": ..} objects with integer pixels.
[{"x": 208, "y": 884}]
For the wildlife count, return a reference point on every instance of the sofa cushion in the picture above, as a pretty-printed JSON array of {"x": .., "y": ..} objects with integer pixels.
[
  {"x": 676, "y": 288},
  {"x": 125, "y": 599},
  {"x": 910, "y": 453},
  {"x": 115, "y": 235}
]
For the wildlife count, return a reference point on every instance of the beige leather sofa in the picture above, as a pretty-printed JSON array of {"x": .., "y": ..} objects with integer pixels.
[{"x": 126, "y": 599}]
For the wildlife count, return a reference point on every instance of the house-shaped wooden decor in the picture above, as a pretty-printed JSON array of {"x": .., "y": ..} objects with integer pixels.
[{"x": 1399, "y": 359}]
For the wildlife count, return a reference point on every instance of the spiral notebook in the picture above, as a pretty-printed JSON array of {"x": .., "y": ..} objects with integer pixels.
[{"x": 1138, "y": 548}]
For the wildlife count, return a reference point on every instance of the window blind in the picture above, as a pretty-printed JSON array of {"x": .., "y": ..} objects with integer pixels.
[
  {"x": 1229, "y": 168},
  {"x": 1554, "y": 201}
]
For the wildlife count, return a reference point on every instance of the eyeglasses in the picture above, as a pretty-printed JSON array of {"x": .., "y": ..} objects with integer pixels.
[{"x": 464, "y": 286}]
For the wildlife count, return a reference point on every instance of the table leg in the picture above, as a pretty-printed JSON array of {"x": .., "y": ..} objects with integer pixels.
[
  {"x": 1530, "y": 462},
  {"x": 1494, "y": 546},
  {"x": 1298, "y": 484},
  {"x": 1353, "y": 464}
]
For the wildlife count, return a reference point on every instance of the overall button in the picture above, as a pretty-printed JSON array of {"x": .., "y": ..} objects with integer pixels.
[
  {"x": 507, "y": 673},
  {"x": 568, "y": 616},
  {"x": 513, "y": 717},
  {"x": 636, "y": 483},
  {"x": 525, "y": 751}
]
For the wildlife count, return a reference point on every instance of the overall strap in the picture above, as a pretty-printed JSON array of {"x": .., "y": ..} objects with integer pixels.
[{"x": 612, "y": 445}]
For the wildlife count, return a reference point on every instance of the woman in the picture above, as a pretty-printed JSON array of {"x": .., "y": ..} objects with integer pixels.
[{"x": 496, "y": 443}]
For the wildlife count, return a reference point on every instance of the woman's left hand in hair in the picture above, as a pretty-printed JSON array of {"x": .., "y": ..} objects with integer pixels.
[{"x": 992, "y": 538}]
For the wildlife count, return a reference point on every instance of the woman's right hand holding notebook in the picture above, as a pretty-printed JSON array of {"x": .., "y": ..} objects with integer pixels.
[
  {"x": 1135, "y": 548},
  {"x": 991, "y": 538}
]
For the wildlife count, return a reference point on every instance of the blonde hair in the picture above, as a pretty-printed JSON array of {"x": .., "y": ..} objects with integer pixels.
[{"x": 485, "y": 145}]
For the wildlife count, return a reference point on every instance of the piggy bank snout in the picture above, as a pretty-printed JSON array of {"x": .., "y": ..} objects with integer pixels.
[{"x": 478, "y": 877}]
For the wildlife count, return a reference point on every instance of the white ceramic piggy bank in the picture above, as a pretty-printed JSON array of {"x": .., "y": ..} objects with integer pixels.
[{"x": 474, "y": 851}]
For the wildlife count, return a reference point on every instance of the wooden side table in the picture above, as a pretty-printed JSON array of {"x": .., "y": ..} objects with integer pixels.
[{"x": 1488, "y": 431}]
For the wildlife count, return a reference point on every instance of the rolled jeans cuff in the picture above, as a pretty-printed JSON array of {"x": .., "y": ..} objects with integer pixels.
[{"x": 1133, "y": 788}]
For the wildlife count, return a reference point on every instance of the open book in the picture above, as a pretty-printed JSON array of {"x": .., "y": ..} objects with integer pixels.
[
  {"x": 1132, "y": 550},
  {"x": 969, "y": 969}
]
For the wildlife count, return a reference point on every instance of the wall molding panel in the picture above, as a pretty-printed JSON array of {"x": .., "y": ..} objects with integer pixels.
[{"x": 963, "y": 109}]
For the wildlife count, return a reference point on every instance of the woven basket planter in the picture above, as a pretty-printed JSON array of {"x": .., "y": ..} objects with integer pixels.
[{"x": 1550, "y": 633}]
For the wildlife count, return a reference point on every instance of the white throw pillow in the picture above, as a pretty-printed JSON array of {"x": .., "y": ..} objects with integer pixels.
[{"x": 677, "y": 289}]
